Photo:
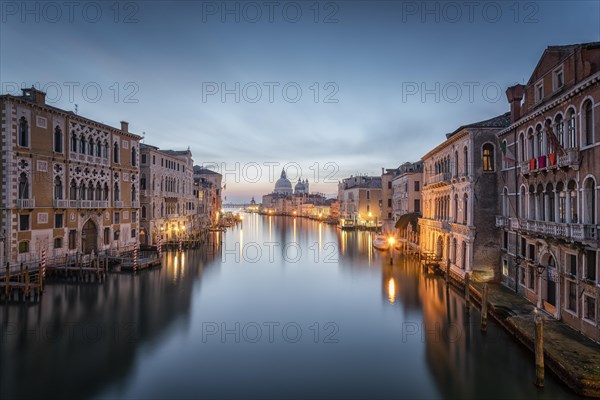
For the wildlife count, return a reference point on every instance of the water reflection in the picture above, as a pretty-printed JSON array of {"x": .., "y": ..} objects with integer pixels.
[{"x": 249, "y": 317}]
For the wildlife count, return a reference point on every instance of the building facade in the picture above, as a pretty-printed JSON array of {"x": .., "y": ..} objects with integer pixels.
[
  {"x": 168, "y": 204},
  {"x": 406, "y": 189},
  {"x": 360, "y": 201},
  {"x": 207, "y": 184},
  {"x": 460, "y": 200},
  {"x": 387, "y": 194},
  {"x": 70, "y": 184},
  {"x": 549, "y": 186}
]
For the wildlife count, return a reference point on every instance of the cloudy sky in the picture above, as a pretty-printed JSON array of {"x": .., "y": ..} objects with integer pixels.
[{"x": 328, "y": 89}]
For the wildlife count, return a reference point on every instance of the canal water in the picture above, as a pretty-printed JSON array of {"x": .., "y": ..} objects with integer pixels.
[{"x": 274, "y": 308}]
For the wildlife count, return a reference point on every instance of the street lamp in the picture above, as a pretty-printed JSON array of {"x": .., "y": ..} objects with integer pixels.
[{"x": 540, "y": 270}]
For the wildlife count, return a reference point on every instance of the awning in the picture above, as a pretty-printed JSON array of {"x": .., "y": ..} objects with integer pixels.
[{"x": 410, "y": 218}]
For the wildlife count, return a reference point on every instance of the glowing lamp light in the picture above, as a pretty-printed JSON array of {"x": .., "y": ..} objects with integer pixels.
[
  {"x": 391, "y": 240},
  {"x": 392, "y": 290}
]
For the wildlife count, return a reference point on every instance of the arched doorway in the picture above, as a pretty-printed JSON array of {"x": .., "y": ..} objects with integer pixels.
[
  {"x": 89, "y": 237},
  {"x": 549, "y": 280},
  {"x": 439, "y": 248}
]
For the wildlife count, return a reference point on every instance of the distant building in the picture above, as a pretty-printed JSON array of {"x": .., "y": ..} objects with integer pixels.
[
  {"x": 167, "y": 198},
  {"x": 459, "y": 200},
  {"x": 549, "y": 187},
  {"x": 360, "y": 200},
  {"x": 406, "y": 189},
  {"x": 387, "y": 207},
  {"x": 69, "y": 184},
  {"x": 207, "y": 184}
]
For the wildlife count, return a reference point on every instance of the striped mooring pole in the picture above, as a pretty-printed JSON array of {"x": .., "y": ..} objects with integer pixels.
[
  {"x": 43, "y": 271},
  {"x": 159, "y": 247}
]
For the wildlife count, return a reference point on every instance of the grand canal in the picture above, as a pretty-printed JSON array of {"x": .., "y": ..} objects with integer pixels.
[{"x": 275, "y": 308}]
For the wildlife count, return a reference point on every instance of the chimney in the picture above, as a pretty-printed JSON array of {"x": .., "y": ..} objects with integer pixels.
[
  {"x": 125, "y": 126},
  {"x": 32, "y": 94},
  {"x": 514, "y": 94}
]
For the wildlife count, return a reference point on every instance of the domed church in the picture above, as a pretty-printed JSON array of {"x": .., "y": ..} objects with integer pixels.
[
  {"x": 283, "y": 185},
  {"x": 301, "y": 187}
]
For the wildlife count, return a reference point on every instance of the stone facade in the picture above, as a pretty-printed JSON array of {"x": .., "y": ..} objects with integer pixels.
[
  {"x": 360, "y": 200},
  {"x": 459, "y": 200},
  {"x": 406, "y": 189},
  {"x": 549, "y": 186},
  {"x": 69, "y": 184},
  {"x": 208, "y": 185},
  {"x": 168, "y": 204}
]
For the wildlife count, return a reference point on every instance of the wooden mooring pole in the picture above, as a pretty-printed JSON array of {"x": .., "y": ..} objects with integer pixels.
[
  {"x": 484, "y": 308},
  {"x": 539, "y": 350}
]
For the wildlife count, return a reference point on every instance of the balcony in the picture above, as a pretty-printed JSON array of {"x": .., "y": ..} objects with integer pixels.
[
  {"x": 439, "y": 179},
  {"x": 135, "y": 204},
  {"x": 93, "y": 204},
  {"x": 59, "y": 203},
  {"x": 117, "y": 204},
  {"x": 501, "y": 221},
  {"x": 551, "y": 161},
  {"x": 575, "y": 232},
  {"x": 25, "y": 203}
]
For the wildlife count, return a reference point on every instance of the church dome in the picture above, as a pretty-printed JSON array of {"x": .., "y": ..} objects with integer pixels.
[
  {"x": 283, "y": 185},
  {"x": 300, "y": 188}
]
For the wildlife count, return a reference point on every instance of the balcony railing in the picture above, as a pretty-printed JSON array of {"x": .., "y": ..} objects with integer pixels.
[
  {"x": 551, "y": 161},
  {"x": 117, "y": 204},
  {"x": 84, "y": 203},
  {"x": 443, "y": 177},
  {"x": 578, "y": 232},
  {"x": 26, "y": 203},
  {"x": 135, "y": 204},
  {"x": 501, "y": 221},
  {"x": 59, "y": 203},
  {"x": 88, "y": 159}
]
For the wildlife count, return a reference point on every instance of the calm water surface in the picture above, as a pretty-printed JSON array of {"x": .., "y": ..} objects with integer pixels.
[{"x": 275, "y": 308}]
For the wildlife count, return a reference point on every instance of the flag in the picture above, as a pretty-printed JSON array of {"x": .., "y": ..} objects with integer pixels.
[
  {"x": 553, "y": 141},
  {"x": 507, "y": 155}
]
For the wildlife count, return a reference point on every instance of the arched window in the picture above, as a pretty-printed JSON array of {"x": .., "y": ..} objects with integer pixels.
[
  {"x": 73, "y": 190},
  {"x": 539, "y": 198},
  {"x": 82, "y": 144},
  {"x": 117, "y": 194},
  {"x": 588, "y": 121},
  {"x": 464, "y": 255},
  {"x": 466, "y": 209},
  {"x": 521, "y": 145},
  {"x": 23, "y": 132},
  {"x": 562, "y": 203},
  {"x": 551, "y": 203},
  {"x": 143, "y": 182},
  {"x": 560, "y": 130},
  {"x": 539, "y": 136},
  {"x": 133, "y": 193},
  {"x": 454, "y": 250},
  {"x": 58, "y": 140},
  {"x": 73, "y": 143},
  {"x": 505, "y": 204},
  {"x": 143, "y": 212},
  {"x": 531, "y": 202},
  {"x": 90, "y": 191},
  {"x": 488, "y": 157},
  {"x": 91, "y": 147},
  {"x": 133, "y": 156},
  {"x": 571, "y": 129},
  {"x": 98, "y": 191},
  {"x": 98, "y": 148},
  {"x": 455, "y": 163},
  {"x": 105, "y": 192},
  {"x": 572, "y": 193},
  {"x": 106, "y": 150},
  {"x": 522, "y": 203},
  {"x": 589, "y": 189},
  {"x": 466, "y": 161},
  {"x": 58, "y": 188},
  {"x": 530, "y": 144},
  {"x": 116, "y": 153},
  {"x": 82, "y": 191},
  {"x": 23, "y": 186}
]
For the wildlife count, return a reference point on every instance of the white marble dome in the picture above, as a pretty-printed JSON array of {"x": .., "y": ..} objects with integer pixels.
[
  {"x": 300, "y": 188},
  {"x": 283, "y": 185}
]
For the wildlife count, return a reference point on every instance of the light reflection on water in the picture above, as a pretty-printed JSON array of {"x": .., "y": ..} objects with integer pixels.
[{"x": 284, "y": 307}]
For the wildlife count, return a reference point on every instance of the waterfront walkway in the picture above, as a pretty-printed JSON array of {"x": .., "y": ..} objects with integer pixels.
[{"x": 574, "y": 358}]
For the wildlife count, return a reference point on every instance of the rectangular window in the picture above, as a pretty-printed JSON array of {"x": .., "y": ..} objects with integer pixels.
[
  {"x": 417, "y": 205},
  {"x": 559, "y": 79},
  {"x": 532, "y": 252},
  {"x": 589, "y": 308},
  {"x": 117, "y": 218},
  {"x": 143, "y": 159},
  {"x": 153, "y": 159},
  {"x": 58, "y": 241},
  {"x": 106, "y": 235},
  {"x": 572, "y": 296},
  {"x": 24, "y": 222},
  {"x": 523, "y": 247},
  {"x": 531, "y": 278},
  {"x": 539, "y": 92},
  {"x": 505, "y": 267},
  {"x": 389, "y": 184},
  {"x": 134, "y": 216},
  {"x": 23, "y": 247},
  {"x": 505, "y": 240},
  {"x": 590, "y": 265},
  {"x": 162, "y": 163},
  {"x": 572, "y": 264},
  {"x": 72, "y": 239},
  {"x": 389, "y": 202},
  {"x": 133, "y": 233},
  {"x": 368, "y": 195},
  {"x": 58, "y": 220},
  {"x": 417, "y": 188},
  {"x": 522, "y": 276}
]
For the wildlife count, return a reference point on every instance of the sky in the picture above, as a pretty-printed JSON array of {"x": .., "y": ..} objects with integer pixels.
[{"x": 323, "y": 89}]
